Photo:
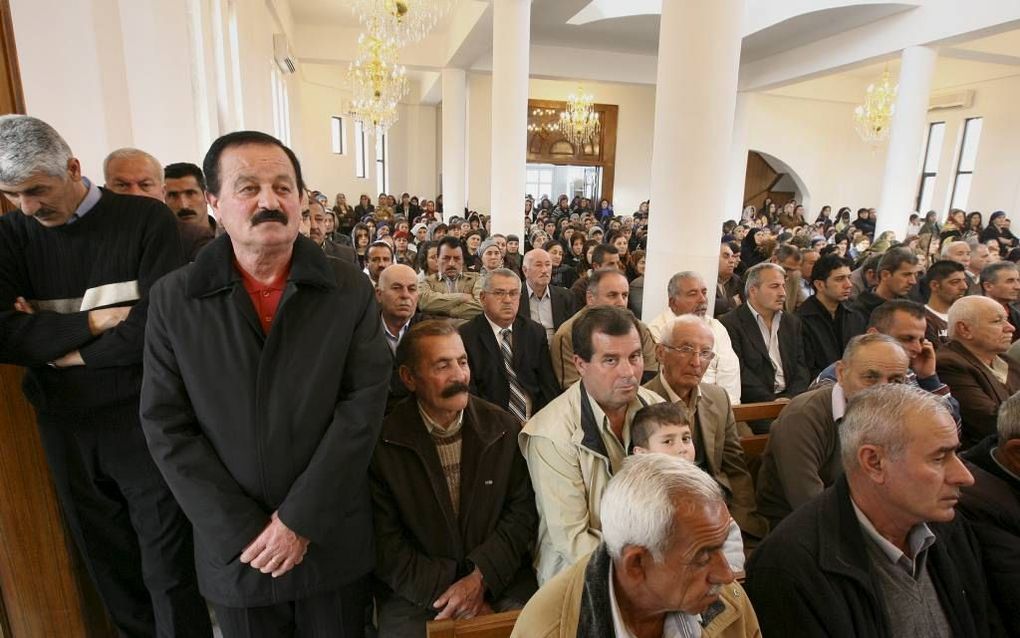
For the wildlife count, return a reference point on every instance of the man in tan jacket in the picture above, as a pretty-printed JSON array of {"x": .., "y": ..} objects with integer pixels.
[
  {"x": 452, "y": 292},
  {"x": 579, "y": 440},
  {"x": 685, "y": 352},
  {"x": 660, "y": 566}
]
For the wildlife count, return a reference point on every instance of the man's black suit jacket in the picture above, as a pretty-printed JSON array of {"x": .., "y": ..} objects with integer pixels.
[
  {"x": 562, "y": 305},
  {"x": 398, "y": 391},
  {"x": 340, "y": 251},
  {"x": 532, "y": 362},
  {"x": 757, "y": 374}
]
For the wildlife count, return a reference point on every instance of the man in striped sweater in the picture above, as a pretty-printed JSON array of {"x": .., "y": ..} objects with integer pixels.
[{"x": 76, "y": 264}]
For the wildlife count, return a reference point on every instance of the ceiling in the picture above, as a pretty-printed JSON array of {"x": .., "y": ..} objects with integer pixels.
[{"x": 336, "y": 13}]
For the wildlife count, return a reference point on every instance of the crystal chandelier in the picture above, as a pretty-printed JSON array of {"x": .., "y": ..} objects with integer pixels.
[
  {"x": 403, "y": 21},
  {"x": 378, "y": 83},
  {"x": 579, "y": 123},
  {"x": 873, "y": 119}
]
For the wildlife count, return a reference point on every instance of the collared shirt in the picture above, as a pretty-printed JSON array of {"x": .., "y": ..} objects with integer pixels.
[
  {"x": 264, "y": 297},
  {"x": 497, "y": 332},
  {"x": 771, "y": 339},
  {"x": 393, "y": 340},
  {"x": 91, "y": 199},
  {"x": 1001, "y": 466},
  {"x": 1000, "y": 369},
  {"x": 616, "y": 449},
  {"x": 838, "y": 402},
  {"x": 692, "y": 413},
  {"x": 541, "y": 311},
  {"x": 919, "y": 539},
  {"x": 433, "y": 426},
  {"x": 676, "y": 625},
  {"x": 451, "y": 282},
  {"x": 943, "y": 317},
  {"x": 806, "y": 288}
]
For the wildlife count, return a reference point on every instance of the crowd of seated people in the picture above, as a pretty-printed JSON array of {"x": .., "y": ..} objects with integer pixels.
[{"x": 521, "y": 381}]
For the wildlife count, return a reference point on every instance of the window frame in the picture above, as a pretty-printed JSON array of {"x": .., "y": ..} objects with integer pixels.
[
  {"x": 360, "y": 151},
  {"x": 924, "y": 163},
  {"x": 338, "y": 134},
  {"x": 959, "y": 162}
]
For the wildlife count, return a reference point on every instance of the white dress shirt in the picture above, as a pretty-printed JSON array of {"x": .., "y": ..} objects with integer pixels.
[
  {"x": 771, "y": 338},
  {"x": 724, "y": 371}
]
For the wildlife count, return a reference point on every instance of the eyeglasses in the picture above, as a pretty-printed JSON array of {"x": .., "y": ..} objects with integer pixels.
[{"x": 705, "y": 355}]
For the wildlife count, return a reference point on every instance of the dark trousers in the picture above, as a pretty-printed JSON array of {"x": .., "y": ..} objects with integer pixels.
[
  {"x": 340, "y": 613},
  {"x": 135, "y": 540}
]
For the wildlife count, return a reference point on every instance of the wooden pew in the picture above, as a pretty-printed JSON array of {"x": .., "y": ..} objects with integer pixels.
[
  {"x": 491, "y": 626},
  {"x": 754, "y": 445}
]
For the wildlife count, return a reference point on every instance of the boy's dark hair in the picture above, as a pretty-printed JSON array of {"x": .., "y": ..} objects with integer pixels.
[{"x": 652, "y": 417}]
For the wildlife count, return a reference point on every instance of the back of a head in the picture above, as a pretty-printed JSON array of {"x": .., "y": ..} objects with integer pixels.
[
  {"x": 30, "y": 146},
  {"x": 608, "y": 320},
  {"x": 879, "y": 416},
  {"x": 1008, "y": 423},
  {"x": 640, "y": 503},
  {"x": 786, "y": 251}
]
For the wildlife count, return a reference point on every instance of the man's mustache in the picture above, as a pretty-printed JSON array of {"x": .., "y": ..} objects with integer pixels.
[
  {"x": 454, "y": 389},
  {"x": 269, "y": 215},
  {"x": 185, "y": 213}
]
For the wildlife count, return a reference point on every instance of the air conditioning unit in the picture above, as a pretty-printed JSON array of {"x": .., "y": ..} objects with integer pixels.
[
  {"x": 954, "y": 100},
  {"x": 282, "y": 55}
]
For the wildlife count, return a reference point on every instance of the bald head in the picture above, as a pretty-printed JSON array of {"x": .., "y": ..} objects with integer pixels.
[
  {"x": 130, "y": 171},
  {"x": 397, "y": 294},
  {"x": 537, "y": 267},
  {"x": 981, "y": 325}
]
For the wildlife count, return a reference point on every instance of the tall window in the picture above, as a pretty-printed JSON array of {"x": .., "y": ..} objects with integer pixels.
[
  {"x": 965, "y": 166},
  {"x": 539, "y": 181},
  {"x": 932, "y": 153},
  {"x": 281, "y": 105},
  {"x": 338, "y": 134},
  {"x": 381, "y": 178},
  {"x": 360, "y": 161}
]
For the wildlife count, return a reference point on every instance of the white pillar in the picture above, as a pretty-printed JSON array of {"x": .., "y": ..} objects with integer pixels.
[
  {"x": 454, "y": 141},
  {"x": 510, "y": 60},
  {"x": 903, "y": 157},
  {"x": 738, "y": 160},
  {"x": 695, "y": 96}
]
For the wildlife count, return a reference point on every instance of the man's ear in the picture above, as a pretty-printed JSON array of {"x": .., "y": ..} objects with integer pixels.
[
  {"x": 871, "y": 461},
  {"x": 407, "y": 377},
  {"x": 634, "y": 562},
  {"x": 580, "y": 364}
]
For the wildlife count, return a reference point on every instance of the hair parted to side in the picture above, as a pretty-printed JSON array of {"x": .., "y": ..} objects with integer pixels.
[
  {"x": 609, "y": 320},
  {"x": 408, "y": 351},
  {"x": 1008, "y": 423},
  {"x": 598, "y": 276},
  {"x": 498, "y": 272},
  {"x": 877, "y": 416},
  {"x": 211, "y": 163},
  {"x": 639, "y": 505},
  {"x": 650, "y": 418},
  {"x": 29, "y": 146}
]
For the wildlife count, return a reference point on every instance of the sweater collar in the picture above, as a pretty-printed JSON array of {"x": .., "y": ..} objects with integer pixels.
[{"x": 213, "y": 270}]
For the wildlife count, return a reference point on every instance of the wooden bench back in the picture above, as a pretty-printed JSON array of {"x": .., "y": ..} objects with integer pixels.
[
  {"x": 754, "y": 445},
  {"x": 491, "y": 626}
]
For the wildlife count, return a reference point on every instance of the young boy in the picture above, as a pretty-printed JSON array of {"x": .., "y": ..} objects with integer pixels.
[{"x": 664, "y": 428}]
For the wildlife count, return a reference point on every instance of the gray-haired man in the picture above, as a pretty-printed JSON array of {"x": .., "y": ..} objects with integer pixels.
[{"x": 76, "y": 265}]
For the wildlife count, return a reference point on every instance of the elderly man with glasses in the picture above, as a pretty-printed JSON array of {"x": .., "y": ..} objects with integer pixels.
[{"x": 685, "y": 352}]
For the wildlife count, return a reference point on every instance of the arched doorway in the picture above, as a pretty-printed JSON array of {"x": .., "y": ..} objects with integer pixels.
[{"x": 769, "y": 177}]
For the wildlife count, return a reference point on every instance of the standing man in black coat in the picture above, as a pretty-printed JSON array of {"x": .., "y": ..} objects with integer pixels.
[
  {"x": 500, "y": 335},
  {"x": 767, "y": 340},
  {"x": 266, "y": 375},
  {"x": 76, "y": 266},
  {"x": 881, "y": 552}
]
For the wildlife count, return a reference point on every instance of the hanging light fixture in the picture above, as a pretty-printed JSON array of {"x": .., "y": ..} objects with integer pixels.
[
  {"x": 378, "y": 83},
  {"x": 403, "y": 21},
  {"x": 579, "y": 123},
  {"x": 873, "y": 119}
]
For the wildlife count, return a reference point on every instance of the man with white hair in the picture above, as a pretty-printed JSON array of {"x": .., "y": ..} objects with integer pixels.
[
  {"x": 973, "y": 367},
  {"x": 79, "y": 331},
  {"x": 992, "y": 505},
  {"x": 130, "y": 171},
  {"x": 684, "y": 354},
  {"x": 881, "y": 552},
  {"x": 958, "y": 251},
  {"x": 660, "y": 568},
  {"x": 541, "y": 301},
  {"x": 688, "y": 295}
]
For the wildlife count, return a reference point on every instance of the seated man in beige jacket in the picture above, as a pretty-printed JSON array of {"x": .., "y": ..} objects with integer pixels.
[
  {"x": 452, "y": 292},
  {"x": 685, "y": 353},
  {"x": 576, "y": 442},
  {"x": 606, "y": 287},
  {"x": 660, "y": 568}
]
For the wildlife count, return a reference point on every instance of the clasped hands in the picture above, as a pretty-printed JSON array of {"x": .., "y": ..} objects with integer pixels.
[
  {"x": 276, "y": 550},
  {"x": 463, "y": 599},
  {"x": 100, "y": 321}
]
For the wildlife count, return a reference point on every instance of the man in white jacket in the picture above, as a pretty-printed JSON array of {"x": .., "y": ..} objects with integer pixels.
[{"x": 688, "y": 295}]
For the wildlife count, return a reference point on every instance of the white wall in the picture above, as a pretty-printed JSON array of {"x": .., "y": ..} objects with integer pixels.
[
  {"x": 633, "y": 139},
  {"x": 411, "y": 142},
  {"x": 114, "y": 73}
]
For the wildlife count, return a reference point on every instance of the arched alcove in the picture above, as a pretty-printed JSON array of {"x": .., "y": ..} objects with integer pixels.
[{"x": 768, "y": 176}]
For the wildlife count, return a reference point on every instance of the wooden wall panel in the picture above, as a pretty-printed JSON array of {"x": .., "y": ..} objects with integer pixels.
[{"x": 45, "y": 591}]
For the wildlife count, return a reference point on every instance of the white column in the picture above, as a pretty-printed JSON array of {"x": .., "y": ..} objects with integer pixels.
[
  {"x": 738, "y": 160},
  {"x": 695, "y": 96},
  {"x": 510, "y": 61},
  {"x": 903, "y": 157},
  {"x": 454, "y": 141}
]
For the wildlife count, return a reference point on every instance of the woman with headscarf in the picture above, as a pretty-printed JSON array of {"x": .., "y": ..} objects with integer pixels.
[
  {"x": 752, "y": 248},
  {"x": 998, "y": 229}
]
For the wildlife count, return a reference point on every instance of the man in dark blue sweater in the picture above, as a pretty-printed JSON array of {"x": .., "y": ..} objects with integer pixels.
[{"x": 76, "y": 264}]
